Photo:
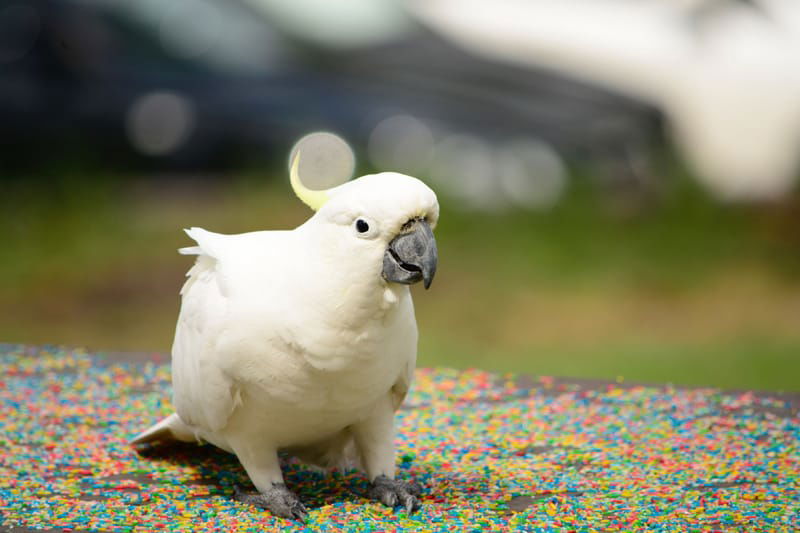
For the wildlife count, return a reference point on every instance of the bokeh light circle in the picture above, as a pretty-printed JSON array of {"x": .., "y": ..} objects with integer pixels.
[
  {"x": 401, "y": 143},
  {"x": 326, "y": 160},
  {"x": 531, "y": 173},
  {"x": 158, "y": 123}
]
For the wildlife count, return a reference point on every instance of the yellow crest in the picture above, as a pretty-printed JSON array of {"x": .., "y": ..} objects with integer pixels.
[{"x": 313, "y": 199}]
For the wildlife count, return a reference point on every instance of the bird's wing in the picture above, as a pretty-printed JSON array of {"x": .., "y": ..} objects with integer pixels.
[
  {"x": 403, "y": 383},
  {"x": 204, "y": 396}
]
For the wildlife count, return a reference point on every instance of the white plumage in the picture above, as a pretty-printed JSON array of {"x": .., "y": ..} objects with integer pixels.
[{"x": 296, "y": 339}]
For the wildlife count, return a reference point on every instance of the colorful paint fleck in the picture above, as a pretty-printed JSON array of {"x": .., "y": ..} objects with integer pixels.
[{"x": 493, "y": 453}]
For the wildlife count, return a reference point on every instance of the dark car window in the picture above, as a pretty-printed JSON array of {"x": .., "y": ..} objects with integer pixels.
[{"x": 205, "y": 34}]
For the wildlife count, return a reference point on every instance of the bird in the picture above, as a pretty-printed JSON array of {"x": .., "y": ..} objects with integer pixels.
[{"x": 305, "y": 340}]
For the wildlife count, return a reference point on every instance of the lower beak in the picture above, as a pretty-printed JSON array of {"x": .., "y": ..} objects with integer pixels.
[{"x": 412, "y": 256}]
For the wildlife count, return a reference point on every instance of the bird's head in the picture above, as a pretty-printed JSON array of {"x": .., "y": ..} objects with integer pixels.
[{"x": 385, "y": 219}]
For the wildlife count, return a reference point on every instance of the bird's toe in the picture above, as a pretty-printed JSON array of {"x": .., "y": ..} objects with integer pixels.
[
  {"x": 299, "y": 511},
  {"x": 278, "y": 500},
  {"x": 410, "y": 503},
  {"x": 393, "y": 492}
]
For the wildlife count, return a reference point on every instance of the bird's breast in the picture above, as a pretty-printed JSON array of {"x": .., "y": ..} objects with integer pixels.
[{"x": 314, "y": 370}]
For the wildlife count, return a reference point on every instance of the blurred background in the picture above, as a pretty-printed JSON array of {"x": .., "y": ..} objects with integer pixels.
[{"x": 617, "y": 177}]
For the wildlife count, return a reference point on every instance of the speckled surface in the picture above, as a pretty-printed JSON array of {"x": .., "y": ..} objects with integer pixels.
[{"x": 493, "y": 453}]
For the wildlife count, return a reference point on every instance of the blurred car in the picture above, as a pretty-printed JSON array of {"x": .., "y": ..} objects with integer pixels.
[
  {"x": 207, "y": 83},
  {"x": 725, "y": 73}
]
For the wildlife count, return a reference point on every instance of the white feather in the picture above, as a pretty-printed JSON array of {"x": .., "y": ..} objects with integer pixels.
[{"x": 290, "y": 339}]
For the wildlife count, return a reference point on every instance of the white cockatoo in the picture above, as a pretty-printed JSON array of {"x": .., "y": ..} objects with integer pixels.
[{"x": 306, "y": 340}]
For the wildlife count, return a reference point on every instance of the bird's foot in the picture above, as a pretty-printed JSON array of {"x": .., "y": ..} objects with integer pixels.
[
  {"x": 393, "y": 492},
  {"x": 278, "y": 500}
]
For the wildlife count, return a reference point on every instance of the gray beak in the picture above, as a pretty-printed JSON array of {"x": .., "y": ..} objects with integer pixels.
[{"x": 412, "y": 255}]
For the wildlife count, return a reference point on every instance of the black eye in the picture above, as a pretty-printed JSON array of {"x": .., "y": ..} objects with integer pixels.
[{"x": 362, "y": 226}]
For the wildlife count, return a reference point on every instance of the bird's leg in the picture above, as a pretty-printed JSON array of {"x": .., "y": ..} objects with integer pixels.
[
  {"x": 264, "y": 470},
  {"x": 374, "y": 438}
]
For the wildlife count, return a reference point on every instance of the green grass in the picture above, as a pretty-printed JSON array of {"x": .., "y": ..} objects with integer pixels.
[
  {"x": 737, "y": 363},
  {"x": 682, "y": 290}
]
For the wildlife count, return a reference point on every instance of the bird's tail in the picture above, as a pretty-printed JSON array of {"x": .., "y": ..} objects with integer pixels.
[{"x": 168, "y": 430}]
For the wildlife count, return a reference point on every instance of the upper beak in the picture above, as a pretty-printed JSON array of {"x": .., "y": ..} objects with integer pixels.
[{"x": 412, "y": 256}]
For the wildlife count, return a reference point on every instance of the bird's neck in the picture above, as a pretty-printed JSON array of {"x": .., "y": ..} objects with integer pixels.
[{"x": 352, "y": 291}]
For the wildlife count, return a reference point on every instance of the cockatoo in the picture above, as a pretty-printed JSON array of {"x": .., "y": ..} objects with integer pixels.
[{"x": 306, "y": 340}]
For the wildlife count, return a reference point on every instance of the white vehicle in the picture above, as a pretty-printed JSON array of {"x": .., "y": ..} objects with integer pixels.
[{"x": 725, "y": 73}]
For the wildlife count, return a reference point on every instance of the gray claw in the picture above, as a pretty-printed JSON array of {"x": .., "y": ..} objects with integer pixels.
[
  {"x": 409, "y": 501},
  {"x": 278, "y": 500},
  {"x": 392, "y": 492}
]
